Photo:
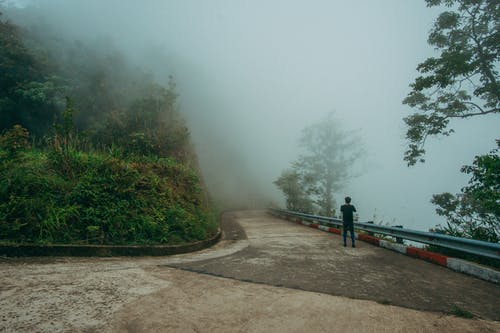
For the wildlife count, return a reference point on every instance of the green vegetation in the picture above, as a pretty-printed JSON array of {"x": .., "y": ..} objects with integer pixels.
[
  {"x": 119, "y": 171},
  {"x": 462, "y": 82},
  {"x": 50, "y": 196},
  {"x": 475, "y": 212},
  {"x": 459, "y": 312},
  {"x": 384, "y": 302}
]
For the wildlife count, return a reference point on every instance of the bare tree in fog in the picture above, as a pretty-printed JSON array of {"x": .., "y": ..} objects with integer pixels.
[{"x": 326, "y": 164}]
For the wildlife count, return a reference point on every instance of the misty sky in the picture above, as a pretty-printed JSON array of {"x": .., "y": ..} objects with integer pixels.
[{"x": 252, "y": 74}]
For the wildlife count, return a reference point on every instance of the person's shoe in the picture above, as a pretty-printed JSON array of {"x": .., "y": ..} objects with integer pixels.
[
  {"x": 345, "y": 244},
  {"x": 353, "y": 245}
]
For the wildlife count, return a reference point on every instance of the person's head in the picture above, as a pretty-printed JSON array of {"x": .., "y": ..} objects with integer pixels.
[{"x": 347, "y": 199}]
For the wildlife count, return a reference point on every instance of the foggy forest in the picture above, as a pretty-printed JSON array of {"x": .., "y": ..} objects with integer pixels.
[{"x": 223, "y": 105}]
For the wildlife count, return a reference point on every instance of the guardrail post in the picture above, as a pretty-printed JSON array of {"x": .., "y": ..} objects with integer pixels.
[
  {"x": 399, "y": 240},
  {"x": 369, "y": 232}
]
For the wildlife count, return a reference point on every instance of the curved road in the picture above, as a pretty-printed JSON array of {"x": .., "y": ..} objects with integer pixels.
[
  {"x": 266, "y": 275},
  {"x": 281, "y": 253}
]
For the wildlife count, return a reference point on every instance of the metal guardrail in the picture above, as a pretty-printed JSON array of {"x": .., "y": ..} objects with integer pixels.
[{"x": 481, "y": 248}]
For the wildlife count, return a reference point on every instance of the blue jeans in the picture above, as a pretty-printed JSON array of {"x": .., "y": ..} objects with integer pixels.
[{"x": 350, "y": 226}]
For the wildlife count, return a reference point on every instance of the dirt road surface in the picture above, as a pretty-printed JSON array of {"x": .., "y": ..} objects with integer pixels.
[{"x": 167, "y": 294}]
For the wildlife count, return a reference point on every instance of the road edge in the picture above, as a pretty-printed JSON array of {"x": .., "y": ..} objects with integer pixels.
[
  {"x": 71, "y": 250},
  {"x": 458, "y": 265}
]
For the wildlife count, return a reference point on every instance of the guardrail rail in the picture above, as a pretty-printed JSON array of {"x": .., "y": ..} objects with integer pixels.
[{"x": 481, "y": 248}]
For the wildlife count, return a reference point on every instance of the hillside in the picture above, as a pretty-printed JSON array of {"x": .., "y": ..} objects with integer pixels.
[{"x": 92, "y": 150}]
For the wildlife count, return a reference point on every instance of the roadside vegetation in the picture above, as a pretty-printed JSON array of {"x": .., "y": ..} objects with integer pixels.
[
  {"x": 461, "y": 83},
  {"x": 92, "y": 150},
  {"x": 322, "y": 170}
]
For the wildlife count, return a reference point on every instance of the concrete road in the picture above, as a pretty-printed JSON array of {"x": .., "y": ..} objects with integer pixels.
[
  {"x": 281, "y": 253},
  {"x": 169, "y": 294}
]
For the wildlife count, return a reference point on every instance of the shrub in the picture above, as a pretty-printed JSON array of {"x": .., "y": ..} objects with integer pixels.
[
  {"x": 105, "y": 200},
  {"x": 14, "y": 140}
]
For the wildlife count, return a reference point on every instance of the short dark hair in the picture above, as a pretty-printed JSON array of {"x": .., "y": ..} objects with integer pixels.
[{"x": 347, "y": 199}]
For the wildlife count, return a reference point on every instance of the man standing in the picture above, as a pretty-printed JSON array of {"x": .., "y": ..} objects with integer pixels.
[{"x": 348, "y": 221}]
